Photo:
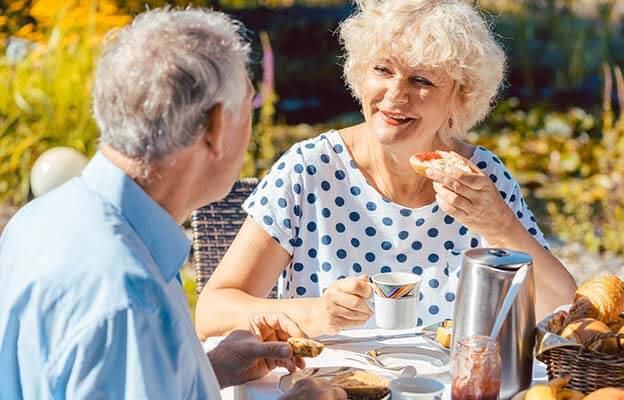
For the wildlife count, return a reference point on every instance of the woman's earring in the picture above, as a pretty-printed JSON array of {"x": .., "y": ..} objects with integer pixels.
[{"x": 450, "y": 122}]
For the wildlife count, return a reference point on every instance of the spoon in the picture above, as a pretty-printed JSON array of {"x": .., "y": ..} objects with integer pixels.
[{"x": 516, "y": 283}]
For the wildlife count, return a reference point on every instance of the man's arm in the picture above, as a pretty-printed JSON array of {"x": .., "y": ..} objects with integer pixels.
[{"x": 134, "y": 353}]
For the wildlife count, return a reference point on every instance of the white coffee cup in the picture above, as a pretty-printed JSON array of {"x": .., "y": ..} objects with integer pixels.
[
  {"x": 416, "y": 388},
  {"x": 396, "y": 284},
  {"x": 395, "y": 313},
  {"x": 409, "y": 386}
]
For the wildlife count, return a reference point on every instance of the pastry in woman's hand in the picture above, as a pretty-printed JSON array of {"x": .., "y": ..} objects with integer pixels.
[
  {"x": 601, "y": 298},
  {"x": 438, "y": 160}
]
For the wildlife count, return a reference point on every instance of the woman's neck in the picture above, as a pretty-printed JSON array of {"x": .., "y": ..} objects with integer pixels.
[{"x": 388, "y": 170}]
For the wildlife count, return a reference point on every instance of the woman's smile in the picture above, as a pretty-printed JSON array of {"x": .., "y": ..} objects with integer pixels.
[{"x": 395, "y": 119}]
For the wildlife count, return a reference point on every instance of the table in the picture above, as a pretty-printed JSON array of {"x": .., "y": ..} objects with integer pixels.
[{"x": 267, "y": 387}]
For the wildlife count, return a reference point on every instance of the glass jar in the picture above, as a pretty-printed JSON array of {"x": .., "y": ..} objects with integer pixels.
[{"x": 475, "y": 369}]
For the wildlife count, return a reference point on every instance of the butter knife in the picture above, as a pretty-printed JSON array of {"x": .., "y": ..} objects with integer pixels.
[{"x": 330, "y": 341}]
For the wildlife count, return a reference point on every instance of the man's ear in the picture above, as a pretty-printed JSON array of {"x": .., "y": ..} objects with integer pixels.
[{"x": 214, "y": 132}]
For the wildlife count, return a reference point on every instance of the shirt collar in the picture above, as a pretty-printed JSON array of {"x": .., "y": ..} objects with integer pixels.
[{"x": 164, "y": 238}]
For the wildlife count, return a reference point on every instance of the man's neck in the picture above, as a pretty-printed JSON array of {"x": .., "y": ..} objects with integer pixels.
[{"x": 159, "y": 180}]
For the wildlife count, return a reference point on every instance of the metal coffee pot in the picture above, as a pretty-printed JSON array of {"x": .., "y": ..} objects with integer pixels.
[{"x": 484, "y": 281}]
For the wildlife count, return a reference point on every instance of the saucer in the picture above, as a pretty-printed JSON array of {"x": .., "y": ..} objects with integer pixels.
[{"x": 426, "y": 361}]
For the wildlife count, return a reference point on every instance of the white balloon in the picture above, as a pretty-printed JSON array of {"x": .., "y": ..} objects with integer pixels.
[{"x": 55, "y": 167}]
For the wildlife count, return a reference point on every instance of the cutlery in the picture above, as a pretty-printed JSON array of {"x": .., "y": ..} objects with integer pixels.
[
  {"x": 378, "y": 338},
  {"x": 313, "y": 372},
  {"x": 374, "y": 360}
]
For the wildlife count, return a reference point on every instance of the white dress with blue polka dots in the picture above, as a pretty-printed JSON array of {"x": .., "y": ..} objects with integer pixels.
[{"x": 317, "y": 204}]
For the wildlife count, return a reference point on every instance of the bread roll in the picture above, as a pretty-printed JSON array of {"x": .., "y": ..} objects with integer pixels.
[
  {"x": 609, "y": 393},
  {"x": 583, "y": 330}
]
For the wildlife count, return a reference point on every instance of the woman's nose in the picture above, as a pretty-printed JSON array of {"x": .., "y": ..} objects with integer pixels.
[{"x": 396, "y": 93}]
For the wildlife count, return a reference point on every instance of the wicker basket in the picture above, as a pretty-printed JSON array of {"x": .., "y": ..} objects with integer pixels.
[{"x": 588, "y": 370}]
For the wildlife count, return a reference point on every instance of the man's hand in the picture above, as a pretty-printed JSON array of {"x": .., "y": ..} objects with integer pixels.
[
  {"x": 314, "y": 389},
  {"x": 246, "y": 355}
]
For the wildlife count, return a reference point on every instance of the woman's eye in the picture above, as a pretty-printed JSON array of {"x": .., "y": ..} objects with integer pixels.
[
  {"x": 381, "y": 69},
  {"x": 419, "y": 80}
]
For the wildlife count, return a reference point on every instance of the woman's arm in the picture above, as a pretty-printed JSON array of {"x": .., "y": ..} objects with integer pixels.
[
  {"x": 248, "y": 272},
  {"x": 238, "y": 287},
  {"x": 554, "y": 285},
  {"x": 475, "y": 201}
]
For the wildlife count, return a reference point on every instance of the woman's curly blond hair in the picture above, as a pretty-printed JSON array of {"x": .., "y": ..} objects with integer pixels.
[{"x": 445, "y": 34}]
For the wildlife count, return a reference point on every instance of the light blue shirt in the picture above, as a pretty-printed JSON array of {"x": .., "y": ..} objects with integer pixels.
[{"x": 90, "y": 306}]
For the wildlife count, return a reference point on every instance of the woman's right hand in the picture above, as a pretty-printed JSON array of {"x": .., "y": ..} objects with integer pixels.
[
  {"x": 344, "y": 305},
  {"x": 314, "y": 389}
]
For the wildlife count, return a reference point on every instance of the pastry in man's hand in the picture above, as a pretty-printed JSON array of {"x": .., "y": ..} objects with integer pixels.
[
  {"x": 303, "y": 347},
  {"x": 439, "y": 160}
]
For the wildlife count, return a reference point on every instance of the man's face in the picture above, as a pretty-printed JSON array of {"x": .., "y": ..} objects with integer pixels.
[{"x": 237, "y": 132}]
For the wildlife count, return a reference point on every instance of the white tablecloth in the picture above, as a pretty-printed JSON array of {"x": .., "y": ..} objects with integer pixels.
[{"x": 267, "y": 387}]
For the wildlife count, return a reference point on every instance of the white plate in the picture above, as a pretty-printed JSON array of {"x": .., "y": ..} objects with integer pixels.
[{"x": 426, "y": 361}]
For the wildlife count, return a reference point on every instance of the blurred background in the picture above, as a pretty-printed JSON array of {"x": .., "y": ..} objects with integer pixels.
[{"x": 557, "y": 123}]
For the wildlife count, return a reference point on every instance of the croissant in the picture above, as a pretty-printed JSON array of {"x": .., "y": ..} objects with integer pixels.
[{"x": 600, "y": 298}]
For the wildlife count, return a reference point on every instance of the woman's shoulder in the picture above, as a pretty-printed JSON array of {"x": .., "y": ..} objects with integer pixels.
[
  {"x": 481, "y": 153},
  {"x": 309, "y": 155},
  {"x": 325, "y": 144},
  {"x": 490, "y": 164}
]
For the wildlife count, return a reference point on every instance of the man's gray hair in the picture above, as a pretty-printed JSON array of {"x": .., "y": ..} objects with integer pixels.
[{"x": 159, "y": 76}]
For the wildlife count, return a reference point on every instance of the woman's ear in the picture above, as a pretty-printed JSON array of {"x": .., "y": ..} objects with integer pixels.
[
  {"x": 454, "y": 108},
  {"x": 214, "y": 130}
]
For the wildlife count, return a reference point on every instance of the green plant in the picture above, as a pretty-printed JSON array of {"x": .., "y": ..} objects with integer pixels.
[
  {"x": 44, "y": 102},
  {"x": 571, "y": 165},
  {"x": 589, "y": 208},
  {"x": 45, "y": 86},
  {"x": 261, "y": 152}
]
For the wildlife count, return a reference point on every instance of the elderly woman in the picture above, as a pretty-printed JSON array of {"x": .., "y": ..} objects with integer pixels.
[{"x": 346, "y": 204}]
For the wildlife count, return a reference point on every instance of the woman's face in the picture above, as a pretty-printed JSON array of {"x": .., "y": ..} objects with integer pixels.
[{"x": 406, "y": 105}]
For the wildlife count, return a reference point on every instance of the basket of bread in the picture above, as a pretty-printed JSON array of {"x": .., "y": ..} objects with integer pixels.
[{"x": 585, "y": 343}]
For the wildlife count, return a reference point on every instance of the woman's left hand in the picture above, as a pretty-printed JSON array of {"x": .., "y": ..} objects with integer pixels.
[{"x": 474, "y": 200}]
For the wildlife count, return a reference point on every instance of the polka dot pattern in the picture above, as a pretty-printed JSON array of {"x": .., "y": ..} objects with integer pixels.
[{"x": 318, "y": 206}]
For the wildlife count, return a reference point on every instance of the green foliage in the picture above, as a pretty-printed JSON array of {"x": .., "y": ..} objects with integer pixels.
[
  {"x": 570, "y": 162},
  {"x": 557, "y": 47},
  {"x": 189, "y": 285},
  {"x": 261, "y": 153},
  {"x": 44, "y": 102}
]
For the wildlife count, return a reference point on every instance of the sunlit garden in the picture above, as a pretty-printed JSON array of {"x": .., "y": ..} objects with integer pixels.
[{"x": 558, "y": 123}]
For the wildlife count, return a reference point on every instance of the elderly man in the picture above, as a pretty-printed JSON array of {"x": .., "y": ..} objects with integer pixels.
[{"x": 91, "y": 306}]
